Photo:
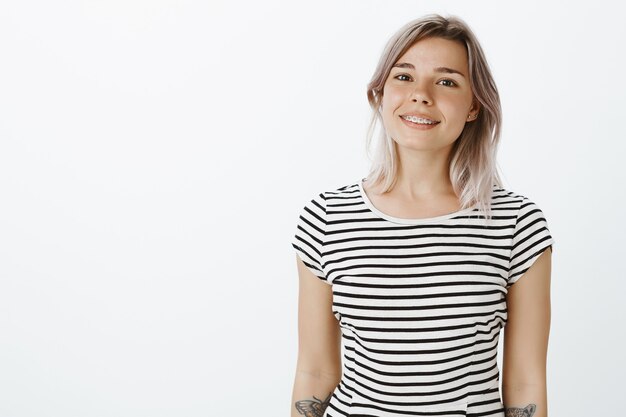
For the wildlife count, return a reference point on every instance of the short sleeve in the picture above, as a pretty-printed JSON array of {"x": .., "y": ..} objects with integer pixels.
[
  {"x": 308, "y": 240},
  {"x": 530, "y": 239}
]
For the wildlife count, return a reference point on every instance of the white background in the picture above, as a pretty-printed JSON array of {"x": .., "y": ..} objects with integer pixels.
[{"x": 154, "y": 156}]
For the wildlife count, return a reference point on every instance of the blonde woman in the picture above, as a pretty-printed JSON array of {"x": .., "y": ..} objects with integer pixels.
[{"x": 413, "y": 267}]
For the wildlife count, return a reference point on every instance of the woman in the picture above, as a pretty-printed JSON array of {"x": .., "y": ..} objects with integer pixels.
[{"x": 413, "y": 267}]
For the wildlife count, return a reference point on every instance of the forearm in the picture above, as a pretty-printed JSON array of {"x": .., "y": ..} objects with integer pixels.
[
  {"x": 530, "y": 400},
  {"x": 312, "y": 392}
]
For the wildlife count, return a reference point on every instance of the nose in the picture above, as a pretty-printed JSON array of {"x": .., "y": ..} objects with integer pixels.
[{"x": 421, "y": 94}]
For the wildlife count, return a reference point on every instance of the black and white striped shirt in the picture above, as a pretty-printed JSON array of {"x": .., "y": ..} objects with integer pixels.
[{"x": 420, "y": 302}]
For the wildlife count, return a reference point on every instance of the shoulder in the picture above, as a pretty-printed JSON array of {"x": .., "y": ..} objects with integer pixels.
[
  {"x": 512, "y": 198},
  {"x": 505, "y": 194},
  {"x": 319, "y": 201},
  {"x": 343, "y": 190},
  {"x": 518, "y": 209},
  {"x": 527, "y": 219}
]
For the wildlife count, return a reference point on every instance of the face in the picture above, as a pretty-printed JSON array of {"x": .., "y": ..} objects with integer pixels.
[{"x": 417, "y": 85}]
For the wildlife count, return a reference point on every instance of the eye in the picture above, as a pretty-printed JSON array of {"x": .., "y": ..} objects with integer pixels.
[
  {"x": 453, "y": 83},
  {"x": 401, "y": 75},
  {"x": 449, "y": 81}
]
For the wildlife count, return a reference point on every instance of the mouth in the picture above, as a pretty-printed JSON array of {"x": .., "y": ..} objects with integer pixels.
[{"x": 423, "y": 121}]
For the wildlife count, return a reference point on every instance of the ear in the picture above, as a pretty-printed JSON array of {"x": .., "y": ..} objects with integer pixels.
[{"x": 475, "y": 108}]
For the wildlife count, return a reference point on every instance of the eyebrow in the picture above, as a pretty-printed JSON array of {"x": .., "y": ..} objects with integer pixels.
[{"x": 444, "y": 70}]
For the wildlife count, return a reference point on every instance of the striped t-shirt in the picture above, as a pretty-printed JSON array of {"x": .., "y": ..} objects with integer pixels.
[{"x": 420, "y": 302}]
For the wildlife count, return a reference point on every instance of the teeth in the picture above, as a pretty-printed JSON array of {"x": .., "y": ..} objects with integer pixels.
[{"x": 419, "y": 120}]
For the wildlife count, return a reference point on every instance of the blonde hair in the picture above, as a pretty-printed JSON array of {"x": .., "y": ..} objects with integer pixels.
[{"x": 472, "y": 162}]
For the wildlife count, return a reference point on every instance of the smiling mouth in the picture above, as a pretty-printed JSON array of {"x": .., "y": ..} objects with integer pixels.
[{"x": 419, "y": 121}]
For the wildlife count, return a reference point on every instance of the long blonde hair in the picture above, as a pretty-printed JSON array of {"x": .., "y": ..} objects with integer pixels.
[{"x": 473, "y": 158}]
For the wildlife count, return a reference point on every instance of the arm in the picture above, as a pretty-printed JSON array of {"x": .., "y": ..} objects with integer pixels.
[
  {"x": 526, "y": 335},
  {"x": 318, "y": 370}
]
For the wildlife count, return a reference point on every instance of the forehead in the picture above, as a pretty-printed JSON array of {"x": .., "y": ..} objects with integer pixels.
[{"x": 436, "y": 52}]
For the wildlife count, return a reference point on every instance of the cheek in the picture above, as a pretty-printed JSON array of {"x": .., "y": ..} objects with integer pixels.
[
  {"x": 392, "y": 99},
  {"x": 453, "y": 108}
]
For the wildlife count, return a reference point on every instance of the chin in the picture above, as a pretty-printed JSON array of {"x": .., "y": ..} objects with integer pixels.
[{"x": 422, "y": 144}]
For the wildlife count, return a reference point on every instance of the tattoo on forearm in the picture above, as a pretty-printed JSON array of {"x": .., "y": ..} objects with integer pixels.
[
  {"x": 313, "y": 408},
  {"x": 527, "y": 411}
]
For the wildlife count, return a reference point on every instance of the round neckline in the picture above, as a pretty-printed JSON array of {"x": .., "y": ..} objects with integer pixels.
[{"x": 402, "y": 220}]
